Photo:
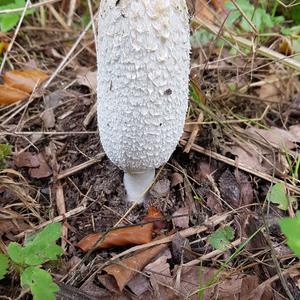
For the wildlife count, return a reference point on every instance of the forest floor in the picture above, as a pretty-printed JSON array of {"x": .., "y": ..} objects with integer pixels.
[{"x": 214, "y": 209}]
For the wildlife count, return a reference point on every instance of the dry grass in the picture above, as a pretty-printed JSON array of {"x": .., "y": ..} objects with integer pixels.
[{"x": 54, "y": 39}]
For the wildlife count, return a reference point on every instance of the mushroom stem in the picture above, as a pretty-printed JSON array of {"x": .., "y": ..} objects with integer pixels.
[{"x": 137, "y": 184}]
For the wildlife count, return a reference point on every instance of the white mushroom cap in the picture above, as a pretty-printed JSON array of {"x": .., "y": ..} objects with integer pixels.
[{"x": 143, "y": 70}]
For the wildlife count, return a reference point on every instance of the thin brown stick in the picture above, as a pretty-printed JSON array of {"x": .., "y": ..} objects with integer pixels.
[
  {"x": 35, "y": 5},
  {"x": 59, "y": 218},
  {"x": 80, "y": 167},
  {"x": 241, "y": 166}
]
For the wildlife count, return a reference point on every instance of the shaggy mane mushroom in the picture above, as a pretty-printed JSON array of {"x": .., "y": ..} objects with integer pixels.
[{"x": 143, "y": 71}]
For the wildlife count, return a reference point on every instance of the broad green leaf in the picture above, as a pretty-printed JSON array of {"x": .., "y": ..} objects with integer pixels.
[
  {"x": 291, "y": 229},
  {"x": 43, "y": 246},
  {"x": 40, "y": 283},
  {"x": 16, "y": 253},
  {"x": 3, "y": 265},
  {"x": 49, "y": 234},
  {"x": 277, "y": 195},
  {"x": 38, "y": 253},
  {"x": 221, "y": 238},
  {"x": 8, "y": 21},
  {"x": 258, "y": 16}
]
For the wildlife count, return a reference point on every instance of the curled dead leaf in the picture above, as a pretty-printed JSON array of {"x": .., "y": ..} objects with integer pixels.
[
  {"x": 128, "y": 267},
  {"x": 18, "y": 84},
  {"x": 9, "y": 95},
  {"x": 25, "y": 80},
  {"x": 132, "y": 235}
]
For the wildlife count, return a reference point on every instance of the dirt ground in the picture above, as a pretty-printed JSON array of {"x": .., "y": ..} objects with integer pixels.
[{"x": 218, "y": 177}]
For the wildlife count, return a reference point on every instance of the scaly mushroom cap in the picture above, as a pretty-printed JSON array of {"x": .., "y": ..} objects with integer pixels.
[{"x": 143, "y": 71}]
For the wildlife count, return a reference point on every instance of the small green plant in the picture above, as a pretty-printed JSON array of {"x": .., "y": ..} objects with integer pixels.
[
  {"x": 9, "y": 20},
  {"x": 221, "y": 238},
  {"x": 278, "y": 195},
  {"x": 27, "y": 261},
  {"x": 291, "y": 229},
  {"x": 5, "y": 150},
  {"x": 260, "y": 18}
]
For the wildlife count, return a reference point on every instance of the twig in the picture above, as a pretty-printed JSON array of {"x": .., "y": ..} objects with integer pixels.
[
  {"x": 264, "y": 51},
  {"x": 59, "y": 218},
  {"x": 211, "y": 254},
  {"x": 35, "y": 5},
  {"x": 66, "y": 58},
  {"x": 213, "y": 221},
  {"x": 80, "y": 167},
  {"x": 15, "y": 35},
  {"x": 241, "y": 166}
]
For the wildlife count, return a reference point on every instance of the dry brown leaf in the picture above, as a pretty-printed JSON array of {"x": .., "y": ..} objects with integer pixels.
[
  {"x": 295, "y": 131},
  {"x": 248, "y": 158},
  {"x": 87, "y": 78},
  {"x": 277, "y": 137},
  {"x": 139, "y": 284},
  {"x": 9, "y": 95},
  {"x": 125, "y": 271},
  {"x": 26, "y": 159},
  {"x": 3, "y": 46},
  {"x": 161, "y": 188},
  {"x": 235, "y": 287},
  {"x": 24, "y": 80},
  {"x": 179, "y": 246},
  {"x": 156, "y": 217},
  {"x": 176, "y": 178},
  {"x": 246, "y": 190},
  {"x": 133, "y": 235},
  {"x": 42, "y": 171},
  {"x": 180, "y": 218},
  {"x": 203, "y": 11},
  {"x": 214, "y": 204},
  {"x": 12, "y": 225},
  {"x": 272, "y": 90},
  {"x": 159, "y": 271},
  {"x": 48, "y": 118},
  {"x": 248, "y": 223},
  {"x": 229, "y": 189},
  {"x": 19, "y": 83},
  {"x": 262, "y": 292}
]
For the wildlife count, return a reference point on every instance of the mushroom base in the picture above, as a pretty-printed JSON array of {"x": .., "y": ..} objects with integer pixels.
[{"x": 137, "y": 184}]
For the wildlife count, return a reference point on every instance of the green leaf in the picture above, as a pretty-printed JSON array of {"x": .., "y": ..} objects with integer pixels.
[
  {"x": 277, "y": 195},
  {"x": 40, "y": 283},
  {"x": 42, "y": 247},
  {"x": 8, "y": 21},
  {"x": 51, "y": 233},
  {"x": 221, "y": 238},
  {"x": 259, "y": 17},
  {"x": 16, "y": 253},
  {"x": 5, "y": 150},
  {"x": 291, "y": 229},
  {"x": 3, "y": 265}
]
